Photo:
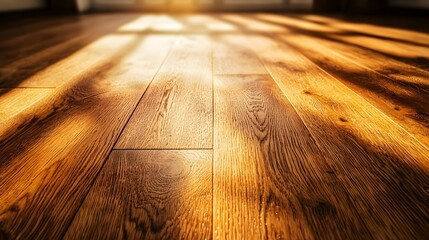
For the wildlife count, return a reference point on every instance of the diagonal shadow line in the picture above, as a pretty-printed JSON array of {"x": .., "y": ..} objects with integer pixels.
[
  {"x": 358, "y": 33},
  {"x": 405, "y": 21},
  {"x": 416, "y": 102},
  {"x": 55, "y": 109},
  {"x": 39, "y": 61},
  {"x": 419, "y": 62},
  {"x": 62, "y": 99},
  {"x": 387, "y": 167},
  {"x": 14, "y": 24}
]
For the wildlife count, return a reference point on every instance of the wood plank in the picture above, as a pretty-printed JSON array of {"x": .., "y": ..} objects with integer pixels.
[
  {"x": 270, "y": 181},
  {"x": 141, "y": 23},
  {"x": 367, "y": 27},
  {"x": 65, "y": 74},
  {"x": 414, "y": 55},
  {"x": 301, "y": 226},
  {"x": 206, "y": 23},
  {"x": 18, "y": 72},
  {"x": 382, "y": 166},
  {"x": 49, "y": 165},
  {"x": 31, "y": 43},
  {"x": 399, "y": 90},
  {"x": 15, "y": 26},
  {"x": 230, "y": 57},
  {"x": 39, "y": 34},
  {"x": 149, "y": 195},
  {"x": 249, "y": 25},
  {"x": 329, "y": 165},
  {"x": 176, "y": 111},
  {"x": 14, "y": 101},
  {"x": 386, "y": 66},
  {"x": 57, "y": 26},
  {"x": 406, "y": 51},
  {"x": 293, "y": 23},
  {"x": 342, "y": 26},
  {"x": 72, "y": 66}
]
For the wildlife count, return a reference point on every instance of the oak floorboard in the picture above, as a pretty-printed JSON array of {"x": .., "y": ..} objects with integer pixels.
[
  {"x": 299, "y": 124},
  {"x": 270, "y": 181},
  {"x": 16, "y": 26},
  {"x": 72, "y": 66},
  {"x": 232, "y": 58},
  {"x": 206, "y": 23},
  {"x": 404, "y": 50},
  {"x": 231, "y": 55},
  {"x": 382, "y": 166},
  {"x": 370, "y": 28},
  {"x": 417, "y": 56},
  {"x": 17, "y": 48},
  {"x": 250, "y": 24},
  {"x": 295, "y": 23},
  {"x": 66, "y": 28},
  {"x": 14, "y": 101},
  {"x": 399, "y": 90},
  {"x": 149, "y": 195},
  {"x": 65, "y": 74},
  {"x": 49, "y": 165},
  {"x": 19, "y": 72},
  {"x": 176, "y": 111}
]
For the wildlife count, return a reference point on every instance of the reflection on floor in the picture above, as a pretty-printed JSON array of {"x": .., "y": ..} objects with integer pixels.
[{"x": 221, "y": 126}]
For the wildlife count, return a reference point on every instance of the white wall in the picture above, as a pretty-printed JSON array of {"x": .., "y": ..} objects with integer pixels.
[
  {"x": 410, "y": 3},
  {"x": 15, "y": 5}
]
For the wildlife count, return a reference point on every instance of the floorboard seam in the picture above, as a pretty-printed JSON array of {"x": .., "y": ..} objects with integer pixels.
[
  {"x": 117, "y": 139},
  {"x": 312, "y": 137},
  {"x": 287, "y": 98},
  {"x": 213, "y": 133},
  {"x": 359, "y": 95},
  {"x": 161, "y": 149}
]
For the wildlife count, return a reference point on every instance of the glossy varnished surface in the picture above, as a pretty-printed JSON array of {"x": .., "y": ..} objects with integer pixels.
[
  {"x": 176, "y": 111},
  {"x": 144, "y": 194},
  {"x": 213, "y": 126}
]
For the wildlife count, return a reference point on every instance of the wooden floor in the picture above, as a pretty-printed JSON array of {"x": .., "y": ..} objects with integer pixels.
[{"x": 213, "y": 126}]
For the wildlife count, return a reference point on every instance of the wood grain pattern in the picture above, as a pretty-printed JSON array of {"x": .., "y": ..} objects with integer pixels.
[
  {"x": 415, "y": 55},
  {"x": 51, "y": 163},
  {"x": 72, "y": 66},
  {"x": 399, "y": 90},
  {"x": 28, "y": 23},
  {"x": 149, "y": 195},
  {"x": 230, "y": 57},
  {"x": 255, "y": 126},
  {"x": 372, "y": 29},
  {"x": 14, "y": 101},
  {"x": 49, "y": 31},
  {"x": 18, "y": 47},
  {"x": 382, "y": 166},
  {"x": 251, "y": 25},
  {"x": 176, "y": 111},
  {"x": 270, "y": 180},
  {"x": 68, "y": 73},
  {"x": 407, "y": 46},
  {"x": 206, "y": 23},
  {"x": 20, "y": 72}
]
